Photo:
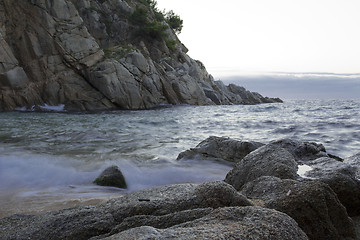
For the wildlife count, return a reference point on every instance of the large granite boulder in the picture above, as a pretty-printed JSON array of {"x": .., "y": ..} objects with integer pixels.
[
  {"x": 268, "y": 160},
  {"x": 313, "y": 205},
  {"x": 160, "y": 207},
  {"x": 302, "y": 151},
  {"x": 341, "y": 177},
  {"x": 354, "y": 161},
  {"x": 225, "y": 223},
  {"x": 286, "y": 158},
  {"x": 220, "y": 149}
]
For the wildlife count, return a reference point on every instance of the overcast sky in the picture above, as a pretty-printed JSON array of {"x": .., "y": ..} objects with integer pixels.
[{"x": 233, "y": 37}]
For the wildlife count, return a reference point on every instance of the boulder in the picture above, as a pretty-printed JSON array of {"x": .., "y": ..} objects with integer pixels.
[
  {"x": 220, "y": 149},
  {"x": 313, "y": 205},
  {"x": 341, "y": 177},
  {"x": 112, "y": 177},
  {"x": 302, "y": 151},
  {"x": 268, "y": 160},
  {"x": 160, "y": 207},
  {"x": 355, "y": 162},
  {"x": 225, "y": 223}
]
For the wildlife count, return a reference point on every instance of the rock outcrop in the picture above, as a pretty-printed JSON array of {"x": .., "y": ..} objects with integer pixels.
[
  {"x": 313, "y": 205},
  {"x": 213, "y": 210},
  {"x": 320, "y": 198},
  {"x": 225, "y": 223},
  {"x": 220, "y": 149},
  {"x": 88, "y": 55}
]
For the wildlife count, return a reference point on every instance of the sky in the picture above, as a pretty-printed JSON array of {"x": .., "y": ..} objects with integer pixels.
[{"x": 239, "y": 37}]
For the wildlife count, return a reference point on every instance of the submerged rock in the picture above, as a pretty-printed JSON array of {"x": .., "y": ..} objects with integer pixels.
[
  {"x": 220, "y": 149},
  {"x": 111, "y": 177},
  {"x": 313, "y": 205}
]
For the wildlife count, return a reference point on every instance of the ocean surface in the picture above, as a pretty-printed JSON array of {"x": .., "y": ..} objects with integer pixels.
[{"x": 49, "y": 160}]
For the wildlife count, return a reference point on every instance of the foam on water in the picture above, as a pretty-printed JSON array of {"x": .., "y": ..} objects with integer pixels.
[
  {"x": 42, "y": 155},
  {"x": 46, "y": 108}
]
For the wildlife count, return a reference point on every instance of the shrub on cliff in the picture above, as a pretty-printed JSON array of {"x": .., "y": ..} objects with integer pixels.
[
  {"x": 155, "y": 28},
  {"x": 174, "y": 21}
]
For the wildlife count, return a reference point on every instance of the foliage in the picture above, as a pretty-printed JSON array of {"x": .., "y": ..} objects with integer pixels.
[
  {"x": 174, "y": 21},
  {"x": 155, "y": 27},
  {"x": 171, "y": 44},
  {"x": 118, "y": 52},
  {"x": 139, "y": 16},
  {"x": 155, "y": 30}
]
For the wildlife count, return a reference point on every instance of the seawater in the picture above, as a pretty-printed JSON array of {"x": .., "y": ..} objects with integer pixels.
[{"x": 48, "y": 160}]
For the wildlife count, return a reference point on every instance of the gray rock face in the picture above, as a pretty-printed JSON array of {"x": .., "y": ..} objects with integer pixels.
[
  {"x": 225, "y": 223},
  {"x": 313, "y": 205},
  {"x": 268, "y": 160},
  {"x": 85, "y": 54},
  {"x": 220, "y": 149},
  {"x": 111, "y": 176}
]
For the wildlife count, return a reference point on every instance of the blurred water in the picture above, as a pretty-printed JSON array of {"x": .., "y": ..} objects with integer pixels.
[{"x": 63, "y": 152}]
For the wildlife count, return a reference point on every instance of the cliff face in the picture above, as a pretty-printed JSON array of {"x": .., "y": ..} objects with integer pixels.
[{"x": 88, "y": 55}]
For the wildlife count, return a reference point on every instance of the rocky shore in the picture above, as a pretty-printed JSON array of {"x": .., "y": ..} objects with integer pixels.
[
  {"x": 87, "y": 55},
  {"x": 285, "y": 189}
]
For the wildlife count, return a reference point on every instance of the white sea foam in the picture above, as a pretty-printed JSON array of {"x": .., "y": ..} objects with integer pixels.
[
  {"x": 46, "y": 107},
  {"x": 58, "y": 108},
  {"x": 303, "y": 169}
]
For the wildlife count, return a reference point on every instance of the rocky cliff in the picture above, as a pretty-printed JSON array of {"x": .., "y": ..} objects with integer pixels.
[{"x": 96, "y": 55}]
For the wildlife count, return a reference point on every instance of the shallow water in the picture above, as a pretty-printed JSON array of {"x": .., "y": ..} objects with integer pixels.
[{"x": 55, "y": 156}]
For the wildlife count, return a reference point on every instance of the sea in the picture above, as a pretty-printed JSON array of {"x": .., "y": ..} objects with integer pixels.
[{"x": 48, "y": 160}]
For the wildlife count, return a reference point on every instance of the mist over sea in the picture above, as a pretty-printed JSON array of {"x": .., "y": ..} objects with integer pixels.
[
  {"x": 49, "y": 160},
  {"x": 301, "y": 85}
]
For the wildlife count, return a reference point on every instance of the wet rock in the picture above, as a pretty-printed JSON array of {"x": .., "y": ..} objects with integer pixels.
[
  {"x": 341, "y": 177},
  {"x": 220, "y": 149},
  {"x": 302, "y": 151},
  {"x": 112, "y": 177},
  {"x": 268, "y": 160},
  {"x": 313, "y": 205},
  {"x": 225, "y": 223}
]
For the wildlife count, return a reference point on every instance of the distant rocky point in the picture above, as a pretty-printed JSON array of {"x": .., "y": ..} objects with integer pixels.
[{"x": 91, "y": 55}]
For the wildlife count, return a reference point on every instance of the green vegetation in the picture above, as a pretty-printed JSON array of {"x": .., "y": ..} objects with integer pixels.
[
  {"x": 171, "y": 44},
  {"x": 118, "y": 52},
  {"x": 174, "y": 21},
  {"x": 155, "y": 27}
]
